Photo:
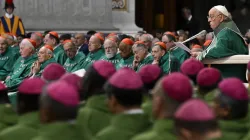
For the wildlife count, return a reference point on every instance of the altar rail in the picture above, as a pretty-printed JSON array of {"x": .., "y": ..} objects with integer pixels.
[{"x": 235, "y": 59}]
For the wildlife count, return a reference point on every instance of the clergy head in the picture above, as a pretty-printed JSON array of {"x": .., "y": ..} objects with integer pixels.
[
  {"x": 124, "y": 90},
  {"x": 208, "y": 80},
  {"x": 110, "y": 47},
  {"x": 27, "y": 48},
  {"x": 159, "y": 50},
  {"x": 64, "y": 37},
  {"x": 80, "y": 39},
  {"x": 150, "y": 74},
  {"x": 195, "y": 120},
  {"x": 95, "y": 77},
  {"x": 28, "y": 95},
  {"x": 231, "y": 102},
  {"x": 59, "y": 104},
  {"x": 72, "y": 79},
  {"x": 53, "y": 72},
  {"x": 9, "y": 38},
  {"x": 140, "y": 51},
  {"x": 45, "y": 53},
  {"x": 70, "y": 49},
  {"x": 51, "y": 39},
  {"x": 191, "y": 67},
  {"x": 217, "y": 15},
  {"x": 3, "y": 45},
  {"x": 168, "y": 38},
  {"x": 38, "y": 37},
  {"x": 147, "y": 39},
  {"x": 9, "y": 6},
  {"x": 125, "y": 48},
  {"x": 95, "y": 42},
  {"x": 168, "y": 93},
  {"x": 196, "y": 48},
  {"x": 4, "y": 98}
]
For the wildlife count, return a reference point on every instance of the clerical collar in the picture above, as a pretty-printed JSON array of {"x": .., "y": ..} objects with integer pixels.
[
  {"x": 190, "y": 17},
  {"x": 133, "y": 111},
  {"x": 8, "y": 15}
]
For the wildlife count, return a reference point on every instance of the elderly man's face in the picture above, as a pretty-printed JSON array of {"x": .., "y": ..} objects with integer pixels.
[
  {"x": 139, "y": 53},
  {"x": 110, "y": 48},
  {"x": 94, "y": 44},
  {"x": 70, "y": 50},
  {"x": 146, "y": 41},
  {"x": 48, "y": 41},
  {"x": 157, "y": 52},
  {"x": 79, "y": 39},
  {"x": 43, "y": 55},
  {"x": 3, "y": 45},
  {"x": 214, "y": 18},
  {"x": 125, "y": 50},
  {"x": 36, "y": 38},
  {"x": 25, "y": 51}
]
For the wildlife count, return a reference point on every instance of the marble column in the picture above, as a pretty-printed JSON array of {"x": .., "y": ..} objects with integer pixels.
[
  {"x": 125, "y": 20},
  {"x": 65, "y": 15}
]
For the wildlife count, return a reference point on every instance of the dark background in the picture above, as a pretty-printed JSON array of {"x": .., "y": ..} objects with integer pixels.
[{"x": 170, "y": 12}]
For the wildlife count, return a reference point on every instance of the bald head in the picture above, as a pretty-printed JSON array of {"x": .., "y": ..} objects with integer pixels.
[
  {"x": 94, "y": 43},
  {"x": 44, "y": 54}
]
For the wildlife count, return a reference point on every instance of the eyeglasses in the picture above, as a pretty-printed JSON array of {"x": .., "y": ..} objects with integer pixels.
[{"x": 212, "y": 17}]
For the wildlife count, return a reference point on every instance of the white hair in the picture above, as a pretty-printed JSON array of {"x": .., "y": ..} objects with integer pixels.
[
  {"x": 222, "y": 9},
  {"x": 26, "y": 43}
]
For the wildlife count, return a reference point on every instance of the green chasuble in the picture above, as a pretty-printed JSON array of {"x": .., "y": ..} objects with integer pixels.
[
  {"x": 58, "y": 131},
  {"x": 180, "y": 54},
  {"x": 7, "y": 61},
  {"x": 93, "y": 117},
  {"x": 26, "y": 128},
  {"x": 92, "y": 57},
  {"x": 233, "y": 129},
  {"x": 8, "y": 117},
  {"x": 169, "y": 63},
  {"x": 147, "y": 60},
  {"x": 59, "y": 54},
  {"x": 20, "y": 71},
  {"x": 44, "y": 64},
  {"x": 125, "y": 63},
  {"x": 147, "y": 107},
  {"x": 74, "y": 64},
  {"x": 114, "y": 60},
  {"x": 228, "y": 41},
  {"x": 15, "y": 50},
  {"x": 162, "y": 130},
  {"x": 124, "y": 126},
  {"x": 208, "y": 97}
]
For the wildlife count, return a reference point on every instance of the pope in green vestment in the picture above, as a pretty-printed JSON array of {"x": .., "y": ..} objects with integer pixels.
[
  {"x": 59, "y": 54},
  {"x": 162, "y": 130},
  {"x": 114, "y": 60},
  {"x": 169, "y": 63},
  {"x": 58, "y": 131},
  {"x": 7, "y": 61},
  {"x": 128, "y": 62},
  {"x": 20, "y": 71},
  {"x": 25, "y": 129},
  {"x": 94, "y": 116},
  {"x": 92, "y": 57},
  {"x": 124, "y": 126},
  {"x": 227, "y": 41},
  {"x": 8, "y": 117},
  {"x": 180, "y": 54},
  {"x": 147, "y": 60},
  {"x": 75, "y": 63}
]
